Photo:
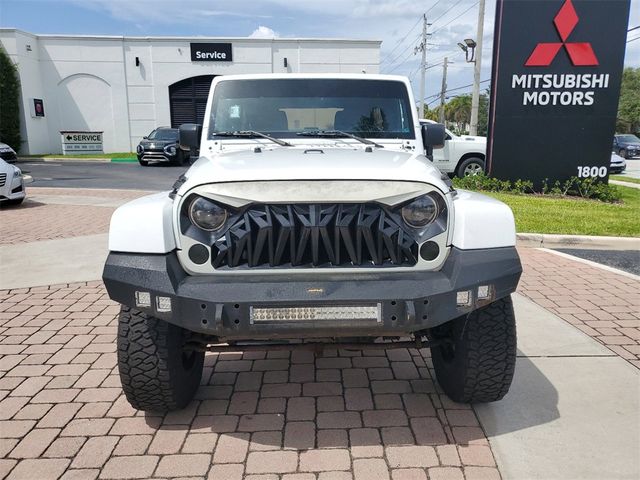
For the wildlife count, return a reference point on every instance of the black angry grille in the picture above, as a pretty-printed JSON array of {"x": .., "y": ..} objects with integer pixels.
[{"x": 315, "y": 235}]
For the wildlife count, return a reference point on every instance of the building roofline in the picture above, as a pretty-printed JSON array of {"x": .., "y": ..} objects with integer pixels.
[{"x": 185, "y": 38}]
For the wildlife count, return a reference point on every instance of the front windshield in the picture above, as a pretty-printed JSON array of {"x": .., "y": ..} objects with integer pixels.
[
  {"x": 164, "y": 134},
  {"x": 285, "y": 107},
  {"x": 629, "y": 138}
]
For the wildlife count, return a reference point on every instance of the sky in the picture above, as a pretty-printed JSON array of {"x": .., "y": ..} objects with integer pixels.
[{"x": 396, "y": 22}]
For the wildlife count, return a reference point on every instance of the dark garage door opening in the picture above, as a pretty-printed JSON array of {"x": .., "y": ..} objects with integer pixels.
[{"x": 188, "y": 100}]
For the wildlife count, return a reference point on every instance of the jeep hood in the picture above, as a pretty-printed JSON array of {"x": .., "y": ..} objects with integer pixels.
[{"x": 317, "y": 163}]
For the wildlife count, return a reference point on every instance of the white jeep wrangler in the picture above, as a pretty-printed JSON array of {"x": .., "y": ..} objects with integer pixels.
[
  {"x": 312, "y": 217},
  {"x": 462, "y": 155}
]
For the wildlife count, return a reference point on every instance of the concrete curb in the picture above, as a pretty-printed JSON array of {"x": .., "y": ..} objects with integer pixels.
[
  {"x": 624, "y": 184},
  {"x": 62, "y": 159},
  {"x": 548, "y": 240},
  {"x": 71, "y": 159},
  {"x": 593, "y": 264}
]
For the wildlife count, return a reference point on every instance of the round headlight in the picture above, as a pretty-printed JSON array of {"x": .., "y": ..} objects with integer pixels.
[
  {"x": 170, "y": 150},
  {"x": 207, "y": 215},
  {"x": 421, "y": 212},
  {"x": 139, "y": 149}
]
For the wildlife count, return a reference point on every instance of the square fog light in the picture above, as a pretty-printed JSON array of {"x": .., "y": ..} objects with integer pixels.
[
  {"x": 163, "y": 304},
  {"x": 485, "y": 292},
  {"x": 143, "y": 299},
  {"x": 463, "y": 298}
]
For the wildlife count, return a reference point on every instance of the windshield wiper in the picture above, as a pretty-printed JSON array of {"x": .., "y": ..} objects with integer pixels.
[
  {"x": 252, "y": 134},
  {"x": 337, "y": 133}
]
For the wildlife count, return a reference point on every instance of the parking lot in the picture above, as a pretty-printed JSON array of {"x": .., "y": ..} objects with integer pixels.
[{"x": 281, "y": 415}]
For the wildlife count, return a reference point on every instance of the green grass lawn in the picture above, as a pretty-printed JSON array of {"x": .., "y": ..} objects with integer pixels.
[
  {"x": 624, "y": 178},
  {"x": 574, "y": 216},
  {"x": 88, "y": 155}
]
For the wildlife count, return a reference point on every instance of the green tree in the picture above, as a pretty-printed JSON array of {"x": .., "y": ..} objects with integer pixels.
[
  {"x": 431, "y": 114},
  {"x": 629, "y": 103},
  {"x": 458, "y": 112},
  {"x": 9, "y": 102}
]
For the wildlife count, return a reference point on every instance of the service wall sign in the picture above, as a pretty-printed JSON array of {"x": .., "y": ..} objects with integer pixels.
[
  {"x": 211, "y": 52},
  {"x": 557, "y": 68},
  {"x": 74, "y": 141}
]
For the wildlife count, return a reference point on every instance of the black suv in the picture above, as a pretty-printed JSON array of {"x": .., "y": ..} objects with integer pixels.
[
  {"x": 627, "y": 145},
  {"x": 161, "y": 145}
]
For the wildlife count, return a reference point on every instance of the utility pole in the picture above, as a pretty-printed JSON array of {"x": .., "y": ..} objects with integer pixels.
[
  {"x": 475, "y": 98},
  {"x": 423, "y": 64},
  {"x": 444, "y": 90}
]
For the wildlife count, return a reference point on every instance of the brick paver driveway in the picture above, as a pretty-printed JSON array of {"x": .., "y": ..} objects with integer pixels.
[
  {"x": 363, "y": 415},
  {"x": 347, "y": 414}
]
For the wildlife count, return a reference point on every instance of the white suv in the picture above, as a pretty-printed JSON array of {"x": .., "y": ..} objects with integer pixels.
[
  {"x": 312, "y": 216},
  {"x": 461, "y": 155}
]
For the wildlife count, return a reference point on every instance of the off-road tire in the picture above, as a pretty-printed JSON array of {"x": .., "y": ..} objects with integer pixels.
[
  {"x": 156, "y": 374},
  {"x": 478, "y": 365}
]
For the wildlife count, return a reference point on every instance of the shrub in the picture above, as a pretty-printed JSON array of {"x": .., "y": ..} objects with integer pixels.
[
  {"x": 9, "y": 102},
  {"x": 577, "y": 187}
]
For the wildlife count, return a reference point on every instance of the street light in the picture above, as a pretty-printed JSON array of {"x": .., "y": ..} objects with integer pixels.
[{"x": 469, "y": 49}]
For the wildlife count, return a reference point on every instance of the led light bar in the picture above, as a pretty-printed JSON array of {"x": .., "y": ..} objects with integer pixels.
[{"x": 286, "y": 314}]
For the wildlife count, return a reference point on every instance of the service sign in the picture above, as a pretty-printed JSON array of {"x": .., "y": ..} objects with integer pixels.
[
  {"x": 557, "y": 68},
  {"x": 81, "y": 142},
  {"x": 211, "y": 52}
]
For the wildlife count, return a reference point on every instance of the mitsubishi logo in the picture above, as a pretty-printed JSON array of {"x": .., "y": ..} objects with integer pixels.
[{"x": 580, "y": 53}]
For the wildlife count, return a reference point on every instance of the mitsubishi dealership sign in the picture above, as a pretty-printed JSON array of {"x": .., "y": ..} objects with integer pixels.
[{"x": 557, "y": 68}]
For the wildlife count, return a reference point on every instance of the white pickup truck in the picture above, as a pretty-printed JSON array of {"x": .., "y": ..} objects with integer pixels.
[{"x": 461, "y": 155}]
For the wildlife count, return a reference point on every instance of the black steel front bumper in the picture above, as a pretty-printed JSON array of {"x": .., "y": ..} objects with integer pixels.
[{"x": 220, "y": 304}]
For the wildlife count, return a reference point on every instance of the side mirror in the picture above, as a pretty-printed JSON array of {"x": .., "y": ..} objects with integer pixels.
[
  {"x": 145, "y": 138},
  {"x": 433, "y": 136},
  {"x": 189, "y": 139}
]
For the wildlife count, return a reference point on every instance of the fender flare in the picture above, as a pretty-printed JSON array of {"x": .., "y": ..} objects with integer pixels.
[{"x": 144, "y": 225}]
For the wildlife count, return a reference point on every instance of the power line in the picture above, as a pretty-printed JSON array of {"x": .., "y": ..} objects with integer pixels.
[
  {"x": 400, "y": 41},
  {"x": 437, "y": 95},
  {"x": 633, "y": 40},
  {"x": 632, "y": 29},
  {"x": 432, "y": 6},
  {"x": 401, "y": 62},
  {"x": 447, "y": 54},
  {"x": 456, "y": 17},
  {"x": 447, "y": 11},
  {"x": 393, "y": 61}
]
